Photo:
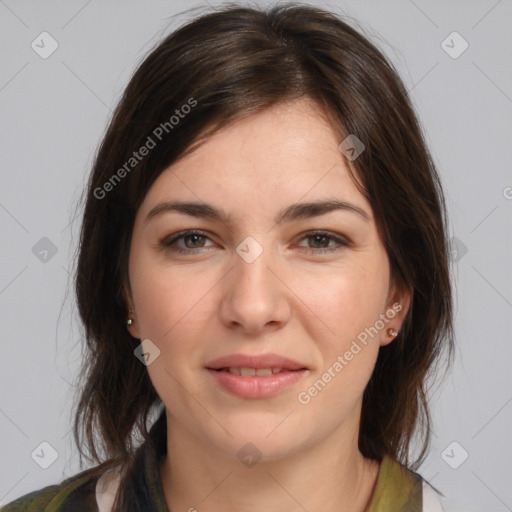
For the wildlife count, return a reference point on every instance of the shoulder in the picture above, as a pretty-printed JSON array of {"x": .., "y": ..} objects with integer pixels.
[
  {"x": 77, "y": 494},
  {"x": 399, "y": 488}
]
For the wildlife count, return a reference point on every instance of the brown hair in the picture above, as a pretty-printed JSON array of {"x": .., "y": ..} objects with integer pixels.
[{"x": 233, "y": 62}]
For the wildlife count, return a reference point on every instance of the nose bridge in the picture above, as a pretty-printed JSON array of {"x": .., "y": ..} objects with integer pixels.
[
  {"x": 251, "y": 267},
  {"x": 255, "y": 297}
]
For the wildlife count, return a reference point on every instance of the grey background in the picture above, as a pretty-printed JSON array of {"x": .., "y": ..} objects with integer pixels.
[{"x": 53, "y": 113}]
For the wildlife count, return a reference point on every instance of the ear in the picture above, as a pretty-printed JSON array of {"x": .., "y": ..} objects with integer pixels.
[
  {"x": 130, "y": 313},
  {"x": 399, "y": 301}
]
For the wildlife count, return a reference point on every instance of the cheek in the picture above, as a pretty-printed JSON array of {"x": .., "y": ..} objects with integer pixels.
[
  {"x": 350, "y": 306},
  {"x": 346, "y": 301},
  {"x": 172, "y": 313},
  {"x": 171, "y": 305}
]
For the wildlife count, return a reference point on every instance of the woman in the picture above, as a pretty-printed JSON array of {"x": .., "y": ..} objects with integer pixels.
[{"x": 263, "y": 270}]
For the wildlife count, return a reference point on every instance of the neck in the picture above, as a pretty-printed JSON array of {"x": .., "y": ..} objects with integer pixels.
[{"x": 331, "y": 476}]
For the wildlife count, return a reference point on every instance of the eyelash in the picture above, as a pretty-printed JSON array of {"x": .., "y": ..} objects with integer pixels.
[{"x": 322, "y": 250}]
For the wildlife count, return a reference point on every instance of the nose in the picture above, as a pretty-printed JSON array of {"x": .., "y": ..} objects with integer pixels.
[{"x": 255, "y": 299}]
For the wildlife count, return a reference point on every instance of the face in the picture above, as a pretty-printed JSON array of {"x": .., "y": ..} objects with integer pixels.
[{"x": 314, "y": 288}]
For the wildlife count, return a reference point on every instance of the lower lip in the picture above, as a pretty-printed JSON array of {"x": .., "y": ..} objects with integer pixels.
[{"x": 256, "y": 386}]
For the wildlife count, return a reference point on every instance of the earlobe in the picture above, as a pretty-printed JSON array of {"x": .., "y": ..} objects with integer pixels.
[
  {"x": 131, "y": 324},
  {"x": 397, "y": 309},
  {"x": 389, "y": 335}
]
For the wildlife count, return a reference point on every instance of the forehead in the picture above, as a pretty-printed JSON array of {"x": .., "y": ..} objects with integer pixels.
[{"x": 283, "y": 154}]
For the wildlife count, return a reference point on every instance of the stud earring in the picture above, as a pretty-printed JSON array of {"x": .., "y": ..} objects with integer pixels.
[
  {"x": 130, "y": 320},
  {"x": 392, "y": 332}
]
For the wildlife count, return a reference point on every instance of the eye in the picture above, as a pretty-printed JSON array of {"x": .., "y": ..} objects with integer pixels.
[
  {"x": 194, "y": 236},
  {"x": 319, "y": 237}
]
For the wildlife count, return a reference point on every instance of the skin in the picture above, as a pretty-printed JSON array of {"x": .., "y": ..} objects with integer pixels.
[{"x": 290, "y": 300}]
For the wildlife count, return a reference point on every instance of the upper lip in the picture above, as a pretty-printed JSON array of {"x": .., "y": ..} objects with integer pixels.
[{"x": 250, "y": 361}]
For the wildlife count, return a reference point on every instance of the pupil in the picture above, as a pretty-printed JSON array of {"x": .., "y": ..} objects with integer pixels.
[
  {"x": 319, "y": 236},
  {"x": 195, "y": 237}
]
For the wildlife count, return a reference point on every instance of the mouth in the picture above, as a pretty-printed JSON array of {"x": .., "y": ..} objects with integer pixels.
[
  {"x": 255, "y": 376},
  {"x": 255, "y": 383},
  {"x": 254, "y": 372}
]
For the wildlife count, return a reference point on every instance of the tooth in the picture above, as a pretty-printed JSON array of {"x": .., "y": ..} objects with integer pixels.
[
  {"x": 264, "y": 371},
  {"x": 250, "y": 372}
]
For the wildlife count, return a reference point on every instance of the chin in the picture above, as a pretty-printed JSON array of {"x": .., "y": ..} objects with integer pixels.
[{"x": 268, "y": 437}]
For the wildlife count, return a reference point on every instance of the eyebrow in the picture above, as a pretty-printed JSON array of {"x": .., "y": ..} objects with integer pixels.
[{"x": 291, "y": 213}]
